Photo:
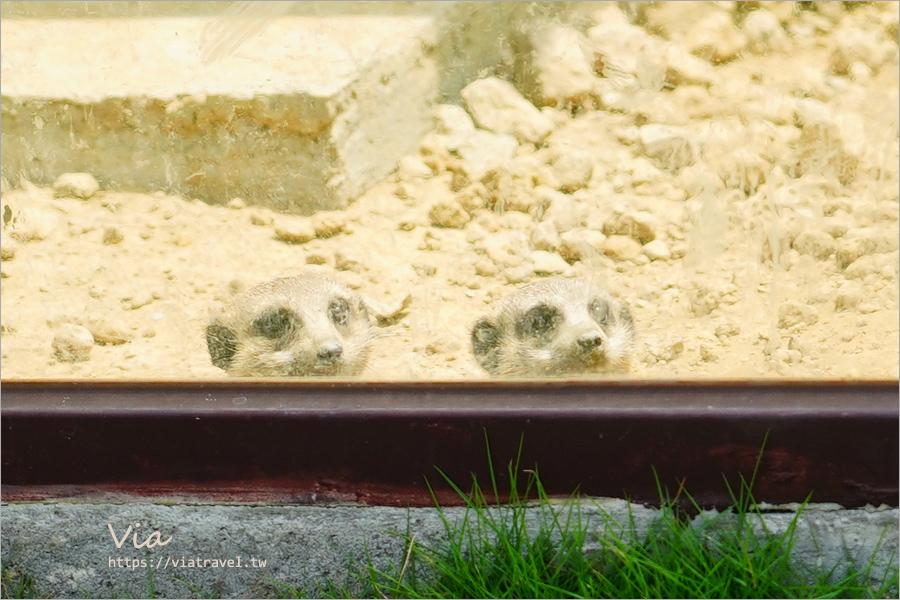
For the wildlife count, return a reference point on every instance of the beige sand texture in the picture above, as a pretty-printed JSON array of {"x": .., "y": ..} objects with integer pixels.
[{"x": 732, "y": 174}]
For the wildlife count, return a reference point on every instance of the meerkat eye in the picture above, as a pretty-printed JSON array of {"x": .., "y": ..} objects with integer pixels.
[
  {"x": 274, "y": 323},
  {"x": 538, "y": 321},
  {"x": 339, "y": 311},
  {"x": 600, "y": 311}
]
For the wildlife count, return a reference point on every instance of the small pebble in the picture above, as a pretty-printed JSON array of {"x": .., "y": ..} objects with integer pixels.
[
  {"x": 7, "y": 247},
  {"x": 294, "y": 230},
  {"x": 573, "y": 171},
  {"x": 75, "y": 185},
  {"x": 412, "y": 167},
  {"x": 141, "y": 298},
  {"x": 657, "y": 250},
  {"x": 707, "y": 354},
  {"x": 329, "y": 223},
  {"x": 316, "y": 258},
  {"x": 545, "y": 237},
  {"x": 581, "y": 244},
  {"x": 448, "y": 214},
  {"x": 112, "y": 235},
  {"x": 727, "y": 329},
  {"x": 817, "y": 244},
  {"x": 485, "y": 267},
  {"x": 72, "y": 343},
  {"x": 548, "y": 263},
  {"x": 794, "y": 313},
  {"x": 260, "y": 216},
  {"x": 110, "y": 333},
  {"x": 424, "y": 269},
  {"x": 620, "y": 248}
]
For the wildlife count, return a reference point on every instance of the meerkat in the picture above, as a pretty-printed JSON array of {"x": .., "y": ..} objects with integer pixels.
[
  {"x": 304, "y": 326},
  {"x": 556, "y": 327}
]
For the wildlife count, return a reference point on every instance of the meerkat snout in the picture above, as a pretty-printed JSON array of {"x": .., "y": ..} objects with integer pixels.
[
  {"x": 308, "y": 325},
  {"x": 555, "y": 327},
  {"x": 589, "y": 341},
  {"x": 330, "y": 353}
]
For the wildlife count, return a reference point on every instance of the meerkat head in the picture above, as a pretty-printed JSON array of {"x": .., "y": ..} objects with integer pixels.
[
  {"x": 304, "y": 326},
  {"x": 555, "y": 327}
]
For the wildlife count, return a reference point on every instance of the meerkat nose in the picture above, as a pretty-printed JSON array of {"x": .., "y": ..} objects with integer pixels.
[
  {"x": 590, "y": 341},
  {"x": 330, "y": 353}
]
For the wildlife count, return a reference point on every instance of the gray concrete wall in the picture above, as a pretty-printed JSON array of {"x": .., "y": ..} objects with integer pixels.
[
  {"x": 311, "y": 110},
  {"x": 70, "y": 551}
]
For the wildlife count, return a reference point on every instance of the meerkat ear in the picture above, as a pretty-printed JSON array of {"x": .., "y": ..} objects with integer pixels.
[
  {"x": 222, "y": 344},
  {"x": 486, "y": 345}
]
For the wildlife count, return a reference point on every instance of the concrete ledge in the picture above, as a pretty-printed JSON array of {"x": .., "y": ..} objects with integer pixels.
[
  {"x": 70, "y": 551},
  {"x": 305, "y": 115}
]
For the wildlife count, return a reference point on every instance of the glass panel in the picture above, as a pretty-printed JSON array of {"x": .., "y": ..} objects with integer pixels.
[{"x": 712, "y": 189}]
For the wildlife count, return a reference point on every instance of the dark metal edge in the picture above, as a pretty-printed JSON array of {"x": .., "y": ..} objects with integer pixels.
[{"x": 378, "y": 443}]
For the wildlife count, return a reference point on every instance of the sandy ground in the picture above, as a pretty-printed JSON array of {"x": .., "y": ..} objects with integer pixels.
[{"x": 755, "y": 236}]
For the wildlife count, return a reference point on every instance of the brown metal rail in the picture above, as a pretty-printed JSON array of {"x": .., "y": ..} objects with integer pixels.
[{"x": 377, "y": 443}]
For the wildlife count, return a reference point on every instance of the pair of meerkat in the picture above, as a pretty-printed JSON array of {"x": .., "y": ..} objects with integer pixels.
[{"x": 312, "y": 325}]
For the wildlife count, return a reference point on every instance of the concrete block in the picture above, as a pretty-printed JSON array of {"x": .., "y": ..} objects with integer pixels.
[
  {"x": 70, "y": 551},
  {"x": 306, "y": 114}
]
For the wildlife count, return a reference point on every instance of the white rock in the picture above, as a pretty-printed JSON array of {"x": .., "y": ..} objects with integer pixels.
[
  {"x": 545, "y": 237},
  {"x": 294, "y": 230},
  {"x": 874, "y": 240},
  {"x": 683, "y": 68},
  {"x": 793, "y": 313},
  {"x": 449, "y": 214},
  {"x": 657, "y": 250},
  {"x": 75, "y": 185},
  {"x": 497, "y": 106},
  {"x": 506, "y": 248},
  {"x": 671, "y": 148},
  {"x": 727, "y": 329},
  {"x": 870, "y": 265},
  {"x": 817, "y": 244},
  {"x": 412, "y": 167},
  {"x": 619, "y": 43},
  {"x": 548, "y": 263},
  {"x": 519, "y": 274},
  {"x": 830, "y": 143},
  {"x": 848, "y": 296},
  {"x": 715, "y": 38},
  {"x": 640, "y": 225},
  {"x": 110, "y": 331},
  {"x": 484, "y": 151},
  {"x": 664, "y": 349},
  {"x": 860, "y": 45},
  {"x": 7, "y": 247},
  {"x": 346, "y": 259},
  {"x": 450, "y": 119},
  {"x": 561, "y": 66},
  {"x": 573, "y": 170},
  {"x": 485, "y": 267},
  {"x": 328, "y": 223},
  {"x": 620, "y": 248},
  {"x": 564, "y": 212},
  {"x": 32, "y": 223},
  {"x": 764, "y": 32},
  {"x": 72, "y": 343},
  {"x": 581, "y": 244},
  {"x": 142, "y": 297}
]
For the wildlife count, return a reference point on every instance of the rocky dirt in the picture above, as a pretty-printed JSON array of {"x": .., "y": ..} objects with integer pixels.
[{"x": 730, "y": 171}]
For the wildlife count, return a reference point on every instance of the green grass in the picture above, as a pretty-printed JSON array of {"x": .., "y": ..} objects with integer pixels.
[
  {"x": 505, "y": 550},
  {"x": 16, "y": 585},
  {"x": 497, "y": 551}
]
